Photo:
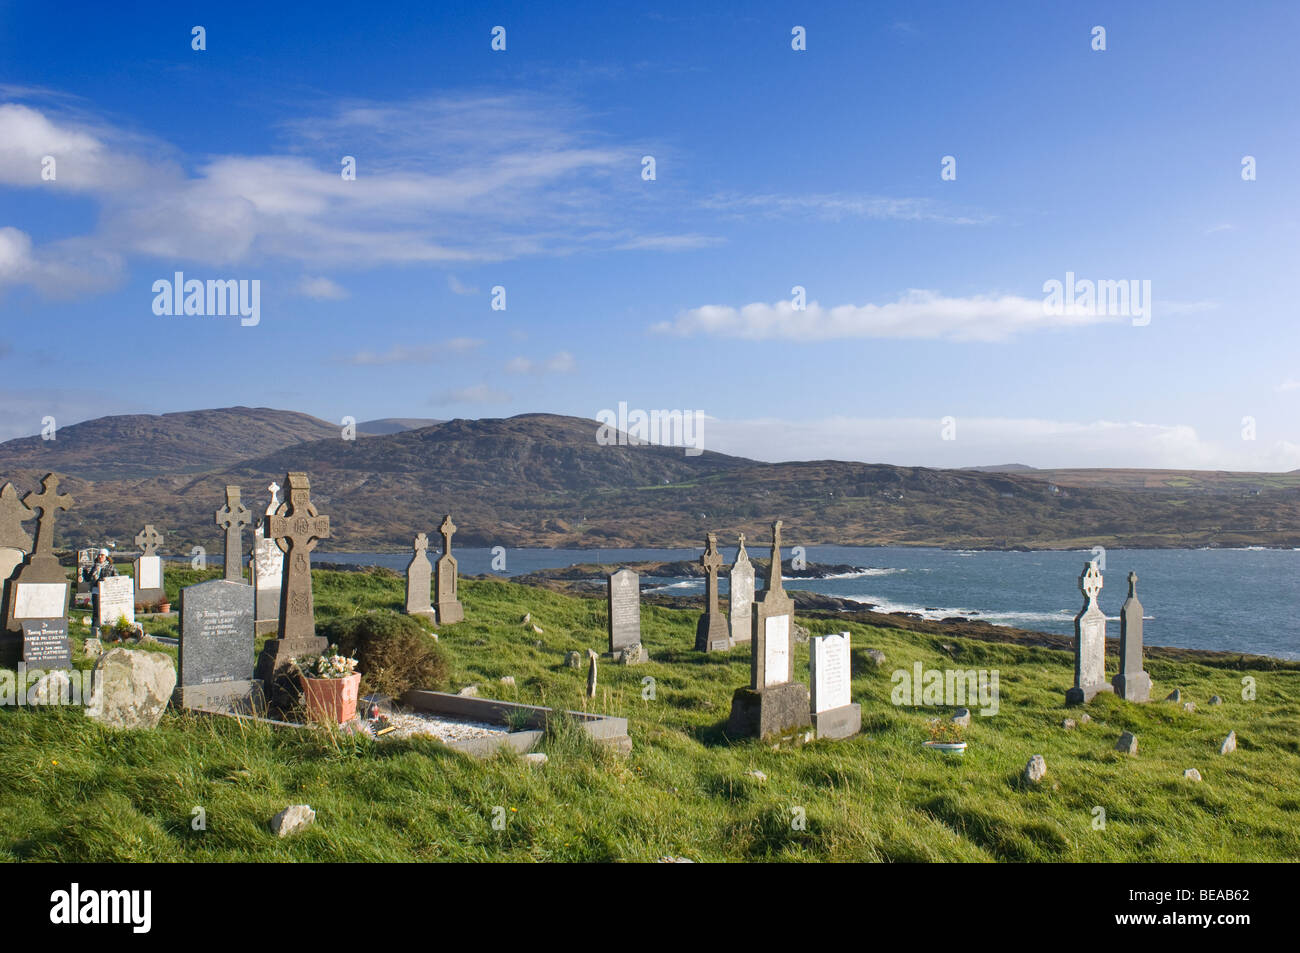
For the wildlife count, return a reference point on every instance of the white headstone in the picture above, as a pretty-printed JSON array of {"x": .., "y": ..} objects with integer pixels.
[
  {"x": 40, "y": 600},
  {"x": 776, "y": 660},
  {"x": 828, "y": 666},
  {"x": 149, "y": 570},
  {"x": 116, "y": 599}
]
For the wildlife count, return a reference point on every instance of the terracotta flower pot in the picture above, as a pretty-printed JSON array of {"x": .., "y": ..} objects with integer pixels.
[{"x": 332, "y": 700}]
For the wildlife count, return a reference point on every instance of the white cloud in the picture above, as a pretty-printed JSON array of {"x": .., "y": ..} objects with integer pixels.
[
  {"x": 990, "y": 440},
  {"x": 1291, "y": 383},
  {"x": 561, "y": 363},
  {"x": 835, "y": 207},
  {"x": 671, "y": 242},
  {"x": 412, "y": 354},
  {"x": 322, "y": 289},
  {"x": 458, "y": 287},
  {"x": 917, "y": 314}
]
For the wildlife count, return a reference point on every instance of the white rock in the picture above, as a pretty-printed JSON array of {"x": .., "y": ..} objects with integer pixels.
[
  {"x": 508, "y": 680},
  {"x": 1191, "y": 774},
  {"x": 1229, "y": 743},
  {"x": 757, "y": 775},
  {"x": 469, "y": 691},
  {"x": 536, "y": 758},
  {"x": 1069, "y": 724},
  {"x": 1036, "y": 769},
  {"x": 93, "y": 648},
  {"x": 1189, "y": 706},
  {"x": 876, "y": 656},
  {"x": 292, "y": 819},
  {"x": 961, "y": 717}
]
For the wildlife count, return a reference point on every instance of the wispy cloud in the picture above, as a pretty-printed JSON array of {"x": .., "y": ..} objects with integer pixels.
[
  {"x": 322, "y": 289},
  {"x": 476, "y": 394},
  {"x": 459, "y": 287},
  {"x": 835, "y": 207},
  {"x": 411, "y": 354},
  {"x": 917, "y": 314},
  {"x": 561, "y": 363},
  {"x": 672, "y": 242}
]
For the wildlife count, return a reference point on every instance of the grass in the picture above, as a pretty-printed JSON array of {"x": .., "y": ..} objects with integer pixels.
[{"x": 73, "y": 791}]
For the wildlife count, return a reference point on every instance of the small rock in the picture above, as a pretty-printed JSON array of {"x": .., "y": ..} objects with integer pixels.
[
  {"x": 633, "y": 654},
  {"x": 528, "y": 617},
  {"x": 1229, "y": 743},
  {"x": 1036, "y": 769},
  {"x": 508, "y": 680},
  {"x": 675, "y": 860},
  {"x": 757, "y": 775},
  {"x": 1215, "y": 700},
  {"x": 538, "y": 629},
  {"x": 469, "y": 691},
  {"x": 1189, "y": 706},
  {"x": 536, "y": 758},
  {"x": 85, "y": 620},
  {"x": 573, "y": 660},
  {"x": 1175, "y": 696},
  {"x": 93, "y": 648},
  {"x": 1069, "y": 724},
  {"x": 1085, "y": 718},
  {"x": 876, "y": 656},
  {"x": 292, "y": 819},
  {"x": 1191, "y": 774},
  {"x": 1128, "y": 743},
  {"x": 147, "y": 640},
  {"x": 961, "y": 717}
]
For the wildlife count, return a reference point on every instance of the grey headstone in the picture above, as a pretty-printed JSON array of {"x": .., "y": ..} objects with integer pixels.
[
  {"x": 1089, "y": 642},
  {"x": 1132, "y": 683},
  {"x": 448, "y": 603},
  {"x": 46, "y": 644},
  {"x": 38, "y": 587},
  {"x": 624, "y": 605},
  {"x": 712, "y": 633},
  {"x": 216, "y": 647},
  {"x": 419, "y": 578},
  {"x": 741, "y": 596}
]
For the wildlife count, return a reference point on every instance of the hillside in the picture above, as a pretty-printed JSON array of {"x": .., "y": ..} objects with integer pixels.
[
  {"x": 141, "y": 445},
  {"x": 542, "y": 480},
  {"x": 88, "y": 794}
]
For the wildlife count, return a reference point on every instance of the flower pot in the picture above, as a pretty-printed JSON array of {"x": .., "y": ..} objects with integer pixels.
[
  {"x": 951, "y": 747},
  {"x": 332, "y": 700},
  {"x": 164, "y": 607}
]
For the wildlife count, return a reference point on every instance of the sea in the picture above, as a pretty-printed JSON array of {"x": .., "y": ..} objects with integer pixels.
[{"x": 1233, "y": 600}]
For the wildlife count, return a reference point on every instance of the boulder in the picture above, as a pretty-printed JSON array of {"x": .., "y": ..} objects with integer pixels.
[
  {"x": 292, "y": 819},
  {"x": 1128, "y": 743},
  {"x": 131, "y": 688},
  {"x": 1036, "y": 769}
]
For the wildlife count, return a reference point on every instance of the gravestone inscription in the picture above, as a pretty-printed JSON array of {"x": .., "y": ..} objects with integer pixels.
[
  {"x": 216, "y": 647},
  {"x": 624, "y": 604},
  {"x": 38, "y": 588},
  {"x": 116, "y": 600},
  {"x": 46, "y": 643}
]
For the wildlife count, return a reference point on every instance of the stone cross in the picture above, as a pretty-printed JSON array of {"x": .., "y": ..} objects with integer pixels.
[
  {"x": 447, "y": 529},
  {"x": 421, "y": 543},
  {"x": 296, "y": 532},
  {"x": 1090, "y": 582},
  {"x": 449, "y": 609},
  {"x": 1089, "y": 641},
  {"x": 774, "y": 569},
  {"x": 233, "y": 517},
  {"x": 148, "y": 539},
  {"x": 47, "y": 501},
  {"x": 274, "y": 488},
  {"x": 13, "y": 513},
  {"x": 711, "y": 633}
]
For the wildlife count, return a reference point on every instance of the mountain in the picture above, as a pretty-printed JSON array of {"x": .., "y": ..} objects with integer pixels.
[
  {"x": 544, "y": 480},
  {"x": 1003, "y": 468},
  {"x": 387, "y": 425},
  {"x": 142, "y": 445}
]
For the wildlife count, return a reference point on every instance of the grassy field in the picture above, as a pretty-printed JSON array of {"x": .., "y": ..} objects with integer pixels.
[{"x": 72, "y": 791}]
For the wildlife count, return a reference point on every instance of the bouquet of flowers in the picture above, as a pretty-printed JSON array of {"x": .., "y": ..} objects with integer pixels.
[{"x": 329, "y": 665}]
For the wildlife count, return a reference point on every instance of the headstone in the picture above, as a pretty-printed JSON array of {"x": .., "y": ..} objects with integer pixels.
[
  {"x": 448, "y": 605},
  {"x": 772, "y": 704},
  {"x": 834, "y": 714},
  {"x": 266, "y": 566},
  {"x": 85, "y": 560},
  {"x": 740, "y": 585},
  {"x": 1089, "y": 642},
  {"x": 15, "y": 542},
  {"x": 216, "y": 648},
  {"x": 232, "y": 518},
  {"x": 711, "y": 631},
  {"x": 148, "y": 568},
  {"x": 116, "y": 599},
  {"x": 38, "y": 588},
  {"x": 624, "y": 604},
  {"x": 296, "y": 528},
  {"x": 419, "y": 576},
  {"x": 46, "y": 644},
  {"x": 1132, "y": 683}
]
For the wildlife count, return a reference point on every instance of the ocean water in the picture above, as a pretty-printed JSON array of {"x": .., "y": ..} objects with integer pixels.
[{"x": 1237, "y": 600}]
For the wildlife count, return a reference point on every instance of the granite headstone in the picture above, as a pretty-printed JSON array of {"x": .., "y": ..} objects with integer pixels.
[{"x": 216, "y": 647}]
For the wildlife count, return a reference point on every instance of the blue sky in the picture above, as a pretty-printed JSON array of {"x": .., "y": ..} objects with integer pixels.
[{"x": 774, "y": 168}]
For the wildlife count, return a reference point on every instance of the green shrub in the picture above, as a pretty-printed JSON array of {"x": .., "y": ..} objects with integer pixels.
[{"x": 395, "y": 652}]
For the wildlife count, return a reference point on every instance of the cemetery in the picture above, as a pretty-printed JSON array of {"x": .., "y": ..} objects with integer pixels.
[{"x": 383, "y": 715}]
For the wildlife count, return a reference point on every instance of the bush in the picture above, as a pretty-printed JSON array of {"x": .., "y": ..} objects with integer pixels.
[{"x": 395, "y": 653}]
